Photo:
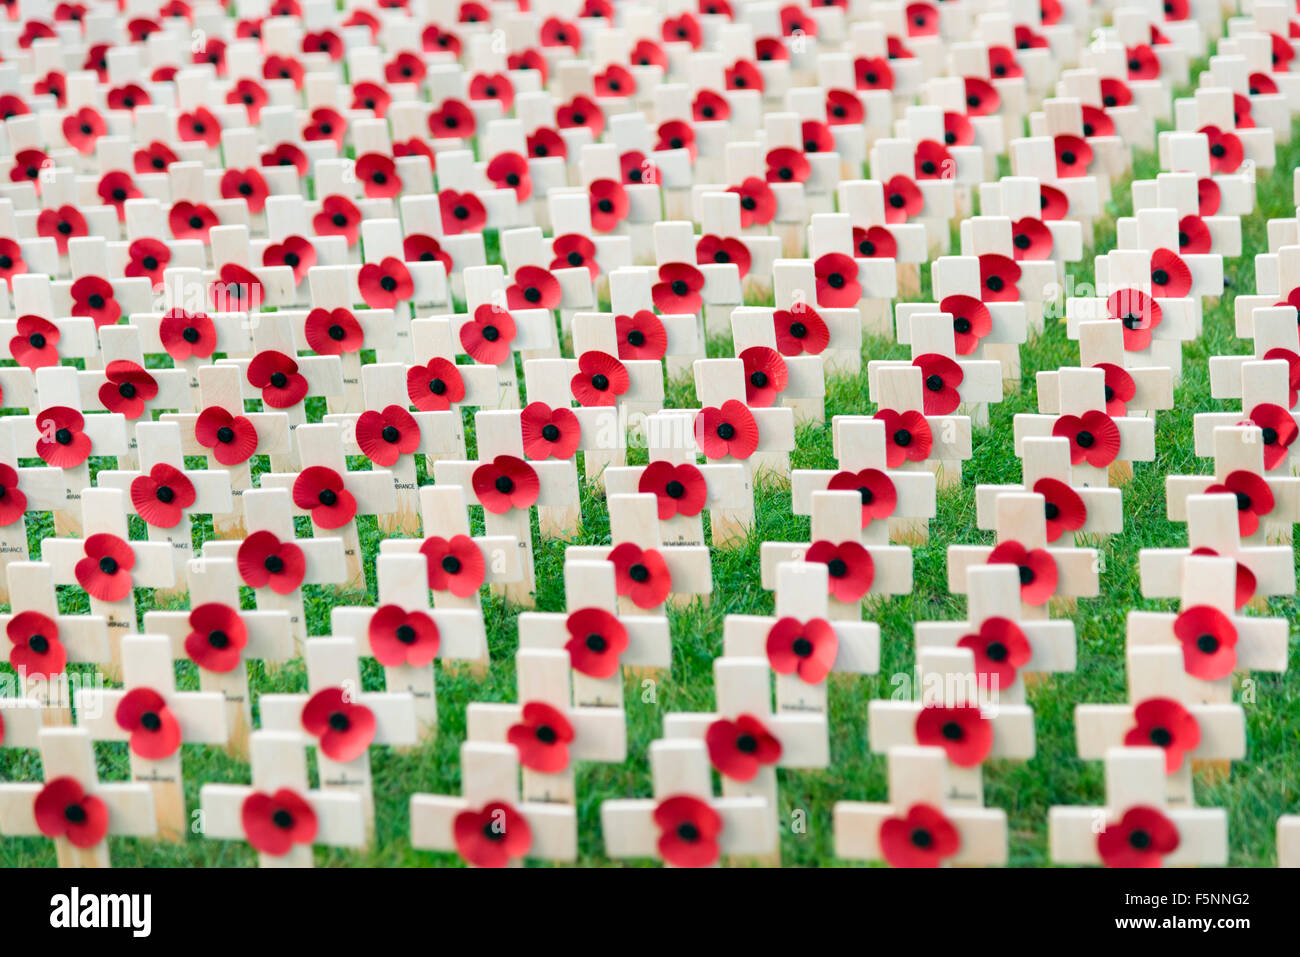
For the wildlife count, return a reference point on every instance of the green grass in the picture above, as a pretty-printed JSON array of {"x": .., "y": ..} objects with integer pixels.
[{"x": 1261, "y": 787}]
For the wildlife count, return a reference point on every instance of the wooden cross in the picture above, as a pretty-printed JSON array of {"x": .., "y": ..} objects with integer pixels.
[
  {"x": 26, "y": 489},
  {"x": 1180, "y": 192},
  {"x": 984, "y": 330},
  {"x": 674, "y": 244},
  {"x": 332, "y": 319},
  {"x": 914, "y": 440},
  {"x": 1136, "y": 826},
  {"x": 228, "y": 438},
  {"x": 802, "y": 378},
  {"x": 73, "y": 808},
  {"x": 1045, "y": 571},
  {"x": 600, "y": 642},
  {"x": 792, "y": 282},
  {"x": 1130, "y": 388},
  {"x": 456, "y": 633},
  {"x": 720, "y": 386},
  {"x": 154, "y": 719},
  {"x": 1276, "y": 333},
  {"x": 1288, "y": 840},
  {"x": 280, "y": 815},
  {"x": 684, "y": 825},
  {"x": 437, "y": 383},
  {"x": 35, "y": 341},
  {"x": 332, "y": 495},
  {"x": 1264, "y": 389},
  {"x": 832, "y": 234},
  {"x": 920, "y": 827},
  {"x": 488, "y": 824},
  {"x": 487, "y": 327},
  {"x": 630, "y": 293}
]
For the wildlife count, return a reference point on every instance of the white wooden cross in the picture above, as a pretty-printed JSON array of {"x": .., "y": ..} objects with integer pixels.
[
  {"x": 1130, "y": 388},
  {"x": 228, "y": 438},
  {"x": 324, "y": 486},
  {"x": 331, "y": 319},
  {"x": 600, "y": 642},
  {"x": 720, "y": 387},
  {"x": 1136, "y": 826},
  {"x": 436, "y": 383},
  {"x": 488, "y": 824},
  {"x": 34, "y": 339},
  {"x": 73, "y": 807},
  {"x": 674, "y": 244},
  {"x": 341, "y": 719},
  {"x": 403, "y": 614},
  {"x": 222, "y": 639},
  {"x": 1276, "y": 339},
  {"x": 799, "y": 324},
  {"x": 485, "y": 321},
  {"x": 684, "y": 824},
  {"x": 549, "y": 733},
  {"x": 1264, "y": 390},
  {"x": 280, "y": 814},
  {"x": 630, "y": 294},
  {"x": 155, "y": 719},
  {"x": 914, "y": 440},
  {"x": 26, "y": 489},
  {"x": 753, "y": 335},
  {"x": 984, "y": 330},
  {"x": 832, "y": 234},
  {"x": 919, "y": 826}
]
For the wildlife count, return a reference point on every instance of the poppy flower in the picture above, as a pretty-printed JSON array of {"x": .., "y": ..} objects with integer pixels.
[
  {"x": 542, "y": 738},
  {"x": 876, "y": 489},
  {"x": 757, "y": 202},
  {"x": 729, "y": 430},
  {"x": 1003, "y": 63},
  {"x": 249, "y": 28},
  {"x": 1097, "y": 122},
  {"x": 958, "y": 130},
  {"x": 191, "y": 220},
  {"x": 276, "y": 67},
  {"x": 332, "y": 332},
  {"x": 678, "y": 291},
  {"x": 1193, "y": 235},
  {"x": 1226, "y": 152},
  {"x": 27, "y": 166},
  {"x": 817, "y": 137},
  {"x": 641, "y": 336},
  {"x": 1246, "y": 584},
  {"x": 903, "y": 199},
  {"x": 35, "y": 345},
  {"x": 373, "y": 97},
  {"x": 800, "y": 332},
  {"x": 115, "y": 189},
  {"x": 63, "y": 809},
  {"x": 237, "y": 290},
  {"x": 155, "y": 158},
  {"x": 384, "y": 284},
  {"x": 61, "y": 441},
  {"x": 61, "y": 225},
  {"x": 277, "y": 375},
  {"x": 1141, "y": 838},
  {"x": 998, "y": 278},
  {"x": 1031, "y": 238},
  {"x": 1165, "y": 723},
  {"x": 418, "y": 247},
  {"x": 963, "y": 732},
  {"x": 232, "y": 439},
  {"x": 849, "y": 567},
  {"x": 872, "y": 73},
  {"x": 601, "y": 379},
  {"x": 252, "y": 95},
  {"x": 493, "y": 86},
  {"x": 1119, "y": 388},
  {"x": 83, "y": 128},
  {"x": 743, "y": 75},
  {"x": 435, "y": 40},
  {"x": 1176, "y": 9},
  {"x": 92, "y": 297},
  {"x": 1038, "y": 571},
  {"x": 533, "y": 288},
  {"x": 794, "y": 20},
  {"x": 505, "y": 483},
  {"x": 11, "y": 260},
  {"x": 155, "y": 732},
  {"x": 435, "y": 386},
  {"x": 647, "y": 53},
  {"x": 614, "y": 81},
  {"x": 740, "y": 748},
  {"x": 982, "y": 98},
  {"x": 682, "y": 29},
  {"x": 597, "y": 8},
  {"x": 596, "y": 640},
  {"x": 549, "y": 432},
  {"x": 1279, "y": 431},
  {"x": 293, "y": 251},
  {"x": 1138, "y": 313},
  {"x": 1170, "y": 276},
  {"x": 922, "y": 20},
  {"x": 1073, "y": 155},
  {"x": 105, "y": 570},
  {"x": 199, "y": 126},
  {"x": 1094, "y": 437},
  {"x": 1209, "y": 641},
  {"x": 406, "y": 67},
  {"x": 1241, "y": 115},
  {"x": 1115, "y": 92},
  {"x": 940, "y": 377},
  {"x": 344, "y": 729},
  {"x": 560, "y": 33},
  {"x": 875, "y": 242},
  {"x": 492, "y": 836},
  {"x": 1000, "y": 649},
  {"x": 1254, "y": 498},
  {"x": 907, "y": 437},
  {"x": 455, "y": 564},
  {"x": 843, "y": 108},
  {"x": 807, "y": 649},
  {"x": 378, "y": 174},
  {"x": 573, "y": 250},
  {"x": 326, "y": 124},
  {"x": 837, "y": 281},
  {"x": 544, "y": 142},
  {"x": 709, "y": 106},
  {"x": 785, "y": 165},
  {"x": 320, "y": 491},
  {"x": 581, "y": 111},
  {"x": 510, "y": 171},
  {"x": 37, "y": 651},
  {"x": 771, "y": 50},
  {"x": 53, "y": 84},
  {"x": 275, "y": 823},
  {"x": 387, "y": 435},
  {"x": 1142, "y": 63},
  {"x": 640, "y": 574},
  {"x": 924, "y": 837},
  {"x": 1063, "y": 507},
  {"x": 487, "y": 337},
  {"x": 971, "y": 322},
  {"x": 161, "y": 497},
  {"x": 287, "y": 154},
  {"x": 339, "y": 216},
  {"x": 13, "y": 502},
  {"x": 461, "y": 212},
  {"x": 609, "y": 204},
  {"x": 933, "y": 161},
  {"x": 217, "y": 639},
  {"x": 688, "y": 831},
  {"x": 678, "y": 489},
  {"x": 765, "y": 376},
  {"x": 266, "y": 562}
]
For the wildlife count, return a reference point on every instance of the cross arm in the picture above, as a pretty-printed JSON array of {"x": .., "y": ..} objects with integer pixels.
[
  {"x": 460, "y": 630},
  {"x": 630, "y": 830},
  {"x": 270, "y": 637},
  {"x": 1202, "y": 834},
  {"x": 1100, "y": 727},
  {"x": 600, "y": 734},
  {"x": 340, "y": 817},
  {"x": 394, "y": 714},
  {"x": 982, "y": 832}
]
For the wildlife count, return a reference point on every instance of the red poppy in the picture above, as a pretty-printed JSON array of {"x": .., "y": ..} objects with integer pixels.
[
  {"x": 1170, "y": 276},
  {"x": 1254, "y": 498},
  {"x": 37, "y": 30},
  {"x": 1094, "y": 437},
  {"x": 1226, "y": 151},
  {"x": 1003, "y": 63},
  {"x": 641, "y": 574},
  {"x": 1165, "y": 723},
  {"x": 1138, "y": 313},
  {"x": 933, "y": 161},
  {"x": 740, "y": 748},
  {"x": 199, "y": 126},
  {"x": 614, "y": 81},
  {"x": 1141, "y": 838},
  {"x": 940, "y": 377},
  {"x": 276, "y": 67},
  {"x": 372, "y": 97},
  {"x": 277, "y": 375},
  {"x": 1031, "y": 238},
  {"x": 27, "y": 167},
  {"x": 1038, "y": 571},
  {"x": 648, "y": 53},
  {"x": 115, "y": 189},
  {"x": 37, "y": 651},
  {"x": 876, "y": 489},
  {"x": 971, "y": 322},
  {"x": 461, "y": 212},
  {"x": 641, "y": 336},
  {"x": 493, "y": 86},
  {"x": 875, "y": 242},
  {"x": 922, "y": 20},
  {"x": 191, "y": 220},
  {"x": 963, "y": 732},
  {"x": 922, "y": 838},
  {"x": 452, "y": 120},
  {"x": 843, "y": 108},
  {"x": 1115, "y": 92},
  {"x": 232, "y": 439},
  {"x": 344, "y": 729},
  {"x": 63, "y": 809},
  {"x": 53, "y": 84},
  {"x": 1097, "y": 122},
  {"x": 378, "y": 175},
  {"x": 544, "y": 142},
  {"x": 92, "y": 297},
  {"x": 1279, "y": 431},
  {"x": 872, "y": 73},
  {"x": 35, "y": 345},
  {"x": 771, "y": 50},
  {"x": 609, "y": 204},
  {"x": 903, "y": 199},
  {"x": 549, "y": 432},
  {"x": 542, "y": 738},
  {"x": 455, "y": 565},
  {"x": 837, "y": 281},
  {"x": 505, "y": 483},
  {"x": 765, "y": 375},
  {"x": 61, "y": 225},
  {"x": 682, "y": 29},
  {"x": 492, "y": 836},
  {"x": 958, "y": 130},
  {"x": 387, "y": 435},
  {"x": 420, "y": 248},
  {"x": 155, "y": 732},
  {"x": 743, "y": 75},
  {"x": 573, "y": 250},
  {"x": 581, "y": 111},
  {"x": 678, "y": 489},
  {"x": 11, "y": 260},
  {"x": 339, "y": 216},
  {"x": 1120, "y": 388},
  {"x": 817, "y": 137},
  {"x": 436, "y": 40},
  {"x": 757, "y": 202},
  {"x": 718, "y": 8},
  {"x": 1193, "y": 235},
  {"x": 320, "y": 491},
  {"x": 533, "y": 288},
  {"x": 800, "y": 331},
  {"x": 333, "y": 332},
  {"x": 83, "y": 128},
  {"x": 785, "y": 165},
  {"x": 161, "y": 497},
  {"x": 218, "y": 638},
  {"x": 213, "y": 52},
  {"x": 61, "y": 441},
  {"x": 266, "y": 562},
  {"x": 1143, "y": 64},
  {"x": 105, "y": 570},
  {"x": 1073, "y": 155},
  {"x": 678, "y": 291},
  {"x": 596, "y": 640},
  {"x": 807, "y": 649},
  {"x": 1000, "y": 649},
  {"x": 274, "y": 823},
  {"x": 982, "y": 98},
  {"x": 293, "y": 251},
  {"x": 709, "y": 106},
  {"x": 560, "y": 33},
  {"x": 326, "y": 124},
  {"x": 1063, "y": 507},
  {"x": 794, "y": 20},
  {"x": 287, "y": 154},
  {"x": 249, "y": 28},
  {"x": 1176, "y": 9},
  {"x": 998, "y": 278},
  {"x": 237, "y": 290},
  {"x": 13, "y": 502},
  {"x": 849, "y": 566},
  {"x": 510, "y": 171},
  {"x": 435, "y": 386},
  {"x": 907, "y": 437},
  {"x": 406, "y": 67},
  {"x": 384, "y": 284},
  {"x": 688, "y": 829},
  {"x": 1241, "y": 115},
  {"x": 1262, "y": 84},
  {"x": 324, "y": 41},
  {"x": 601, "y": 379},
  {"x": 488, "y": 336},
  {"x": 729, "y": 430}
]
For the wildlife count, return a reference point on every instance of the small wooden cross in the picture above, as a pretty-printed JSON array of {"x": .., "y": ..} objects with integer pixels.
[
  {"x": 1132, "y": 388},
  {"x": 26, "y": 489},
  {"x": 774, "y": 380},
  {"x": 630, "y": 295},
  {"x": 436, "y": 383},
  {"x": 914, "y": 440},
  {"x": 154, "y": 719},
  {"x": 1264, "y": 389},
  {"x": 333, "y": 327},
  {"x": 35, "y": 341},
  {"x": 491, "y": 334},
  {"x": 73, "y": 808},
  {"x": 760, "y": 439},
  {"x": 1276, "y": 334},
  {"x": 280, "y": 815},
  {"x": 983, "y": 330}
]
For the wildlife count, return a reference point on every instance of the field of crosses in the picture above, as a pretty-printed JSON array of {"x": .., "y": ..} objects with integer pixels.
[{"x": 608, "y": 432}]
